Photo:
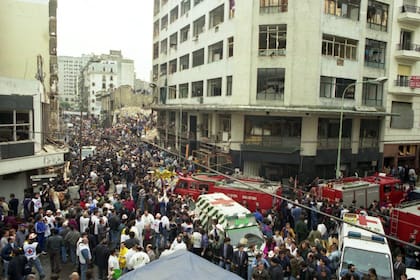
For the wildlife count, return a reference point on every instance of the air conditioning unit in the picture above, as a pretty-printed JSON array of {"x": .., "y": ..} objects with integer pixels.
[{"x": 195, "y": 38}]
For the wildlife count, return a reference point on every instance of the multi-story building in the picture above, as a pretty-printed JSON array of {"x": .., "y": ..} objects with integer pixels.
[
  {"x": 103, "y": 74},
  {"x": 69, "y": 68},
  {"x": 28, "y": 101},
  {"x": 402, "y": 130},
  {"x": 268, "y": 80}
]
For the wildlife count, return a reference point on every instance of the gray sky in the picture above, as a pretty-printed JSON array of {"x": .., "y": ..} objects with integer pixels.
[{"x": 96, "y": 26}]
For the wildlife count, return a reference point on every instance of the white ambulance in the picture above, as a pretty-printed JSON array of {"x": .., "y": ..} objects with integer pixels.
[
  {"x": 363, "y": 248},
  {"x": 237, "y": 221}
]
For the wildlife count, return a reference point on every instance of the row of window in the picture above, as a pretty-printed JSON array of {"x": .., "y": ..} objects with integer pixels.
[
  {"x": 214, "y": 53},
  {"x": 376, "y": 15},
  {"x": 334, "y": 87},
  {"x": 271, "y": 42},
  {"x": 345, "y": 48},
  {"x": 214, "y": 88},
  {"x": 215, "y": 17},
  {"x": 185, "y": 5}
]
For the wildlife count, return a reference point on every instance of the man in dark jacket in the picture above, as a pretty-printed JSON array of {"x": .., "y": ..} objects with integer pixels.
[
  {"x": 276, "y": 270},
  {"x": 54, "y": 244},
  {"x": 226, "y": 254},
  {"x": 101, "y": 254},
  {"x": 17, "y": 265},
  {"x": 7, "y": 254},
  {"x": 240, "y": 261}
]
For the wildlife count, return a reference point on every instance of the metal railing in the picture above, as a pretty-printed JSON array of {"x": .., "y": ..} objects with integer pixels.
[
  {"x": 281, "y": 8},
  {"x": 402, "y": 83},
  {"x": 410, "y": 9},
  {"x": 408, "y": 47}
]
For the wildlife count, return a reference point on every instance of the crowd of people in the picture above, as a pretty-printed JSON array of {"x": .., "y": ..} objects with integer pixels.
[{"x": 114, "y": 212}]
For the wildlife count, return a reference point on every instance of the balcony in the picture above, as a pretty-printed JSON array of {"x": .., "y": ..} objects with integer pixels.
[
  {"x": 257, "y": 143},
  {"x": 332, "y": 143},
  {"x": 409, "y": 14},
  {"x": 407, "y": 86},
  {"x": 408, "y": 52},
  {"x": 275, "y": 8}
]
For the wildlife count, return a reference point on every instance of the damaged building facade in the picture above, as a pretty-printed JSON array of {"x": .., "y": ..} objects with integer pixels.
[{"x": 262, "y": 84}]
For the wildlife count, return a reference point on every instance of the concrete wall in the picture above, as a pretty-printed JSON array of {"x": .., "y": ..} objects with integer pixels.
[{"x": 24, "y": 34}]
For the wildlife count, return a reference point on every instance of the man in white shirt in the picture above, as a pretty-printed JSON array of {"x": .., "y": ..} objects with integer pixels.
[
  {"x": 178, "y": 244},
  {"x": 138, "y": 259},
  {"x": 196, "y": 242},
  {"x": 147, "y": 218},
  {"x": 113, "y": 263}
]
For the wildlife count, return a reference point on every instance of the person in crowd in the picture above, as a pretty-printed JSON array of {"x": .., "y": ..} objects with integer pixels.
[
  {"x": 54, "y": 244},
  {"x": 226, "y": 254},
  {"x": 260, "y": 272},
  {"x": 240, "y": 261},
  {"x": 16, "y": 269},
  {"x": 7, "y": 254},
  {"x": 101, "y": 255},
  {"x": 31, "y": 249},
  {"x": 399, "y": 267},
  {"x": 85, "y": 257}
]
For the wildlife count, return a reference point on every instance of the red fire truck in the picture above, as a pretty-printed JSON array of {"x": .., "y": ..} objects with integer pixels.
[
  {"x": 405, "y": 221},
  {"x": 383, "y": 189},
  {"x": 244, "y": 193}
]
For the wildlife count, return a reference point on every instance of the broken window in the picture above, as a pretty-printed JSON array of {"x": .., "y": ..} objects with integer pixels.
[
  {"x": 216, "y": 16},
  {"x": 339, "y": 47},
  {"x": 164, "y": 46},
  {"x": 184, "y": 32},
  {"x": 184, "y": 62},
  {"x": 328, "y": 128},
  {"x": 163, "y": 69},
  {"x": 173, "y": 41},
  {"x": 230, "y": 46},
  {"x": 228, "y": 85},
  {"x": 343, "y": 8},
  {"x": 372, "y": 93},
  {"x": 377, "y": 15},
  {"x": 214, "y": 87},
  {"x": 215, "y": 52},
  {"x": 334, "y": 87},
  {"x": 270, "y": 83},
  {"x": 155, "y": 72},
  {"x": 172, "y": 92},
  {"x": 164, "y": 22},
  {"x": 273, "y": 6},
  {"x": 156, "y": 29},
  {"x": 272, "y": 40},
  {"x": 172, "y": 66},
  {"x": 375, "y": 52},
  {"x": 197, "y": 89},
  {"x": 155, "y": 50},
  {"x": 183, "y": 90},
  {"x": 174, "y": 14},
  {"x": 156, "y": 7},
  {"x": 15, "y": 125},
  {"x": 199, "y": 25},
  {"x": 198, "y": 58},
  {"x": 185, "y": 6}
]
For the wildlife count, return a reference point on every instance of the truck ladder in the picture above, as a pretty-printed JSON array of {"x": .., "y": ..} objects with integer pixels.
[{"x": 394, "y": 222}]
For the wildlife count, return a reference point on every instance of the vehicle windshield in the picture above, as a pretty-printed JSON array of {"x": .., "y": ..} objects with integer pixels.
[
  {"x": 363, "y": 260},
  {"x": 253, "y": 234}
]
